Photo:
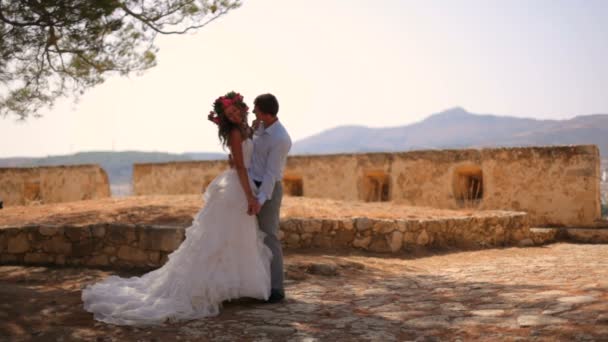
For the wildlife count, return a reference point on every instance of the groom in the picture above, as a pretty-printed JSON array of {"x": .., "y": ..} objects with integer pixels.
[{"x": 271, "y": 143}]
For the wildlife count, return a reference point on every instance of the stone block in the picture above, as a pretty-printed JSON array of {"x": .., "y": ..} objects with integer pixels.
[
  {"x": 83, "y": 248},
  {"x": 384, "y": 227},
  {"x": 120, "y": 235},
  {"x": 161, "y": 239},
  {"x": 77, "y": 233},
  {"x": 98, "y": 260},
  {"x": 8, "y": 258},
  {"x": 38, "y": 258},
  {"x": 379, "y": 244},
  {"x": 312, "y": 226},
  {"x": 322, "y": 241},
  {"x": 18, "y": 244},
  {"x": 293, "y": 240},
  {"x": 50, "y": 230},
  {"x": 423, "y": 238},
  {"x": 396, "y": 241},
  {"x": 98, "y": 231},
  {"x": 362, "y": 242},
  {"x": 289, "y": 225},
  {"x": 58, "y": 245},
  {"x": 346, "y": 224},
  {"x": 344, "y": 238},
  {"x": 363, "y": 223},
  {"x": 128, "y": 253}
]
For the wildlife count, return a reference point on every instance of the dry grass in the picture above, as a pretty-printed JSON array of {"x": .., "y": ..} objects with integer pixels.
[{"x": 179, "y": 210}]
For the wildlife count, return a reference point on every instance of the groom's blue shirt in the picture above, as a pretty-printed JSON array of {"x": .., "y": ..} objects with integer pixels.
[{"x": 270, "y": 148}]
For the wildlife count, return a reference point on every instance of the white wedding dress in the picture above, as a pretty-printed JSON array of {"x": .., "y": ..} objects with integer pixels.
[{"x": 222, "y": 257}]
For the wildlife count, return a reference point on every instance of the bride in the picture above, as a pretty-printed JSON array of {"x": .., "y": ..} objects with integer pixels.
[{"x": 223, "y": 256}]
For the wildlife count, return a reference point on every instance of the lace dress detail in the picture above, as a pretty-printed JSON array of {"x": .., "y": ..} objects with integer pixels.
[{"x": 223, "y": 257}]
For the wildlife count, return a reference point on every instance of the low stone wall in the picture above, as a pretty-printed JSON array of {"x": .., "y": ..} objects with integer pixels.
[
  {"x": 127, "y": 246},
  {"x": 27, "y": 185}
]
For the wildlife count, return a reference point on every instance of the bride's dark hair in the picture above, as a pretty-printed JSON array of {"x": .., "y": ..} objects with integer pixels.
[{"x": 218, "y": 116}]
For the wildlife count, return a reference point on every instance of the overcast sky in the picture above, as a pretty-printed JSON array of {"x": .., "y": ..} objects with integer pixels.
[{"x": 376, "y": 63}]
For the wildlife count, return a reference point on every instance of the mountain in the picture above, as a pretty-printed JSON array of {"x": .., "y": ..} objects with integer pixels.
[{"x": 457, "y": 128}]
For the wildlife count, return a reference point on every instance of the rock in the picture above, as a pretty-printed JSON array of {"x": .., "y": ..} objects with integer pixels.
[
  {"x": 363, "y": 223},
  {"x": 132, "y": 254},
  {"x": 362, "y": 242},
  {"x": 535, "y": 320},
  {"x": 293, "y": 239},
  {"x": 272, "y": 330},
  {"x": 428, "y": 322},
  {"x": 312, "y": 226},
  {"x": 98, "y": 231},
  {"x": 488, "y": 313},
  {"x": 577, "y": 299},
  {"x": 98, "y": 260},
  {"x": 18, "y": 244},
  {"x": 396, "y": 241},
  {"x": 323, "y": 269},
  {"x": 50, "y": 230},
  {"x": 379, "y": 244},
  {"x": 160, "y": 239},
  {"x": 58, "y": 245},
  {"x": 38, "y": 258},
  {"x": 526, "y": 243},
  {"x": 423, "y": 239}
]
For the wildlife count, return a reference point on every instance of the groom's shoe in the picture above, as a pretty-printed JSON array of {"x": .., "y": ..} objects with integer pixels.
[{"x": 276, "y": 296}]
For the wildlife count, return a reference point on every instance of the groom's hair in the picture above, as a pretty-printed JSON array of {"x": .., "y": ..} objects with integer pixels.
[{"x": 267, "y": 103}]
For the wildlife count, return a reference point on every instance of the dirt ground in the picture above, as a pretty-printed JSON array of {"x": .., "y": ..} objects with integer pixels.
[
  {"x": 553, "y": 293},
  {"x": 178, "y": 210}
]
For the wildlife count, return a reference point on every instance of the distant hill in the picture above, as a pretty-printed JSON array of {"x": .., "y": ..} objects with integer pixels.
[{"x": 457, "y": 128}]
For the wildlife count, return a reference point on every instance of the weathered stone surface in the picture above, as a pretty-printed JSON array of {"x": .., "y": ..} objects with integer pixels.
[
  {"x": 50, "y": 230},
  {"x": 128, "y": 253},
  {"x": 292, "y": 239},
  {"x": 83, "y": 248},
  {"x": 363, "y": 223},
  {"x": 98, "y": 231},
  {"x": 120, "y": 234},
  {"x": 379, "y": 244},
  {"x": 98, "y": 260},
  {"x": 312, "y": 226},
  {"x": 77, "y": 233},
  {"x": 362, "y": 242},
  {"x": 18, "y": 243},
  {"x": 423, "y": 238},
  {"x": 326, "y": 269},
  {"x": 344, "y": 238},
  {"x": 396, "y": 241},
  {"x": 38, "y": 258},
  {"x": 534, "y": 320},
  {"x": 58, "y": 245},
  {"x": 166, "y": 240}
]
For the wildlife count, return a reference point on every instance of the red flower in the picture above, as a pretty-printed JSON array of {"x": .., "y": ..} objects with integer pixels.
[{"x": 226, "y": 103}]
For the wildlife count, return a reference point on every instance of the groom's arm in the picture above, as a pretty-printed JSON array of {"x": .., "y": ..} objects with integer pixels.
[{"x": 276, "y": 161}]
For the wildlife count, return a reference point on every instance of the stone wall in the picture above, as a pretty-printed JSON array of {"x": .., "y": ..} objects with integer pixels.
[
  {"x": 555, "y": 185},
  {"x": 28, "y": 185},
  {"x": 175, "y": 178},
  {"x": 126, "y": 246}
]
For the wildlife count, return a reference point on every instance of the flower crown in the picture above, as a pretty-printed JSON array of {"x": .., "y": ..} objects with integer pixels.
[{"x": 223, "y": 102}]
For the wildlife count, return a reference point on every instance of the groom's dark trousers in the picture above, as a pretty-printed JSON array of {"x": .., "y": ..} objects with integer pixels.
[{"x": 268, "y": 218}]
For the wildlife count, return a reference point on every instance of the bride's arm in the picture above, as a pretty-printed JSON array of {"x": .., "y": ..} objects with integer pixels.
[{"x": 236, "y": 149}]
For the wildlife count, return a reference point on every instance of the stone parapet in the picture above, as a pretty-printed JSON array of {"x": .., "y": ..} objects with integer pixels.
[
  {"x": 133, "y": 246},
  {"x": 52, "y": 184}
]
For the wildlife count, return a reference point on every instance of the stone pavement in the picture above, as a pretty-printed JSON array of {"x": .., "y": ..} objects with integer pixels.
[{"x": 557, "y": 292}]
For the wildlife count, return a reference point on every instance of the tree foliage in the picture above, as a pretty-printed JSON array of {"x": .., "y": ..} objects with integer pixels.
[{"x": 54, "y": 48}]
